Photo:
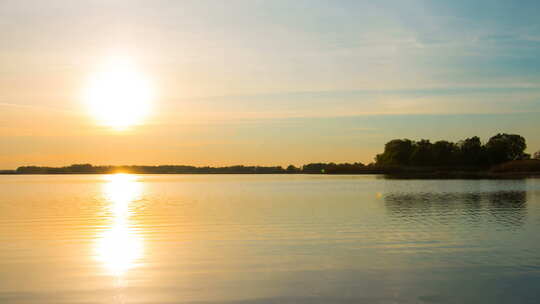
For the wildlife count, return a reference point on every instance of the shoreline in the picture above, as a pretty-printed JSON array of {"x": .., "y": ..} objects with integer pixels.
[
  {"x": 396, "y": 175},
  {"x": 508, "y": 170}
]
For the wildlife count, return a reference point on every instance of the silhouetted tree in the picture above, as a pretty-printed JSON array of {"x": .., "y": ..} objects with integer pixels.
[
  {"x": 314, "y": 168},
  {"x": 505, "y": 147},
  {"x": 444, "y": 153},
  {"x": 422, "y": 154},
  {"x": 396, "y": 152},
  {"x": 80, "y": 168},
  {"x": 469, "y": 152},
  {"x": 292, "y": 169},
  {"x": 472, "y": 153}
]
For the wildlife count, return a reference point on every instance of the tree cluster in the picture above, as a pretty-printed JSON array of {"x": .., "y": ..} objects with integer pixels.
[{"x": 469, "y": 152}]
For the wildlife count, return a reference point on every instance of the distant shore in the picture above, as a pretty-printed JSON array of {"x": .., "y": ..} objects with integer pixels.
[
  {"x": 502, "y": 156},
  {"x": 512, "y": 169}
]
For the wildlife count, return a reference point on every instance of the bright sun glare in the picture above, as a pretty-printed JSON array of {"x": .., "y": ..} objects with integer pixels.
[
  {"x": 118, "y": 95},
  {"x": 120, "y": 246}
]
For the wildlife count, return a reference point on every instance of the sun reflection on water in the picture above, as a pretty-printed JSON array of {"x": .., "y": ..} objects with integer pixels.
[{"x": 120, "y": 247}]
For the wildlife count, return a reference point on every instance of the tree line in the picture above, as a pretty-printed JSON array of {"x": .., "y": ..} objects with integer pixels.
[
  {"x": 469, "y": 152},
  {"x": 330, "y": 168},
  {"x": 398, "y": 155},
  {"x": 163, "y": 169}
]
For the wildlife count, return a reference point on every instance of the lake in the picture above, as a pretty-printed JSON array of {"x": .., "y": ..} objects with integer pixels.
[{"x": 267, "y": 239}]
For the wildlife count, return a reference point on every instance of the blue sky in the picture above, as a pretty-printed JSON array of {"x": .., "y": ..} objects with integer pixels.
[{"x": 268, "y": 81}]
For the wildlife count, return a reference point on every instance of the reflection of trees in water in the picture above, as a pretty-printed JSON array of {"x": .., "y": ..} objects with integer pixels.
[{"x": 508, "y": 208}]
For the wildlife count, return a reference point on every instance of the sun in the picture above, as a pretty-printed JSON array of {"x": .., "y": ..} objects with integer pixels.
[{"x": 118, "y": 95}]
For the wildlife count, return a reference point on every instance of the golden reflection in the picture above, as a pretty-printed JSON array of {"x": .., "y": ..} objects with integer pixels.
[{"x": 120, "y": 247}]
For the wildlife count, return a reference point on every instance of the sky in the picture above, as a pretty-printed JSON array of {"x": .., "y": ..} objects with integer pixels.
[{"x": 266, "y": 82}]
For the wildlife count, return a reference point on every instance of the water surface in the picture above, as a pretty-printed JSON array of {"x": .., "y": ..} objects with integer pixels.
[{"x": 267, "y": 239}]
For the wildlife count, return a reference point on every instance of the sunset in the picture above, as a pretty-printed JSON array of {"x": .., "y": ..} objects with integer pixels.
[
  {"x": 118, "y": 96},
  {"x": 269, "y": 151},
  {"x": 226, "y": 83}
]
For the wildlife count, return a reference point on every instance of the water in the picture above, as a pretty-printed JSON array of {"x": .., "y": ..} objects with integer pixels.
[{"x": 267, "y": 239}]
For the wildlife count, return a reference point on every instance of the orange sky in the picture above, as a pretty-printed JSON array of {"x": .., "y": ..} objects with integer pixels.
[{"x": 258, "y": 82}]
